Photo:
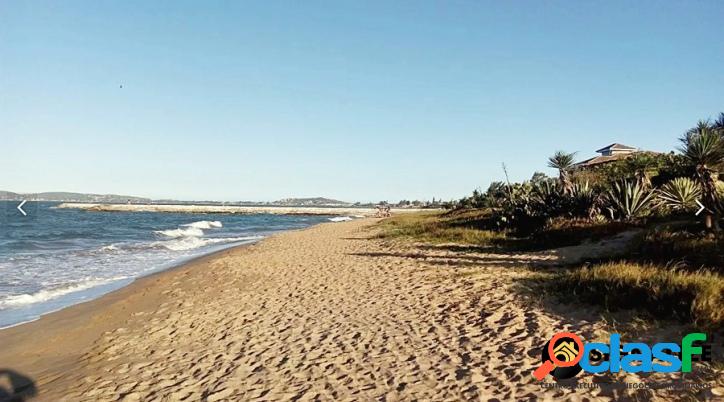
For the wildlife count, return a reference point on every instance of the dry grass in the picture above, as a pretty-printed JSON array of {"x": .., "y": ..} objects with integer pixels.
[
  {"x": 437, "y": 227},
  {"x": 562, "y": 232},
  {"x": 696, "y": 250},
  {"x": 665, "y": 292}
]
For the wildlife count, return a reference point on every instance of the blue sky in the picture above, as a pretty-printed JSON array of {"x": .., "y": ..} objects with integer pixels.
[{"x": 351, "y": 100}]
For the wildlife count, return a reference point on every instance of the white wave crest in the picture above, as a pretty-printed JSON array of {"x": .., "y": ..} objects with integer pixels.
[
  {"x": 204, "y": 224},
  {"x": 340, "y": 219},
  {"x": 49, "y": 294},
  {"x": 188, "y": 232},
  {"x": 190, "y": 243},
  {"x": 194, "y": 229}
]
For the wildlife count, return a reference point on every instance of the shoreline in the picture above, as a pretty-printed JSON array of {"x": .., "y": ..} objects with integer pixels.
[
  {"x": 232, "y": 209},
  {"x": 44, "y": 348},
  {"x": 116, "y": 285},
  {"x": 66, "y": 318}
]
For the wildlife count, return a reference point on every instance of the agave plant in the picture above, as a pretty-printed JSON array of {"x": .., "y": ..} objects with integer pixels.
[
  {"x": 680, "y": 194},
  {"x": 546, "y": 198},
  {"x": 584, "y": 201},
  {"x": 545, "y": 190},
  {"x": 629, "y": 200}
]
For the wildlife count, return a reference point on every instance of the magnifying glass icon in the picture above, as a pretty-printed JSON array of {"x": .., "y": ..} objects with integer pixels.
[{"x": 554, "y": 361}]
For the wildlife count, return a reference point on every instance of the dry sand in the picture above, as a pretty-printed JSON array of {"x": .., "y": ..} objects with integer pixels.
[{"x": 320, "y": 314}]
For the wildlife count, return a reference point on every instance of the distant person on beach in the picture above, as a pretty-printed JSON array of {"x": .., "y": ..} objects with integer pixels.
[{"x": 383, "y": 211}]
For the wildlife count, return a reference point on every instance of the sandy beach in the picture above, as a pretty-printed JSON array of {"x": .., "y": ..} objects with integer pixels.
[{"x": 325, "y": 313}]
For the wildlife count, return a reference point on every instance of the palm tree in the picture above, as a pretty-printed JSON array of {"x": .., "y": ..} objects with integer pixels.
[
  {"x": 703, "y": 148},
  {"x": 563, "y": 162}
]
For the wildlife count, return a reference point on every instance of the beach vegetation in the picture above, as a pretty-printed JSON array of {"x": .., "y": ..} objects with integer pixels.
[
  {"x": 563, "y": 161},
  {"x": 703, "y": 148},
  {"x": 665, "y": 291},
  {"x": 459, "y": 227},
  {"x": 680, "y": 194},
  {"x": 682, "y": 244},
  {"x": 673, "y": 267},
  {"x": 629, "y": 200}
]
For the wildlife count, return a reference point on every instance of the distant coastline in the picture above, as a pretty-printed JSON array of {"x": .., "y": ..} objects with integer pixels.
[{"x": 231, "y": 209}]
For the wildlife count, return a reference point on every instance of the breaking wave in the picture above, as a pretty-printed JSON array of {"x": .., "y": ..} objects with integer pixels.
[
  {"x": 190, "y": 243},
  {"x": 195, "y": 229},
  {"x": 340, "y": 219},
  {"x": 204, "y": 224},
  {"x": 48, "y": 294}
]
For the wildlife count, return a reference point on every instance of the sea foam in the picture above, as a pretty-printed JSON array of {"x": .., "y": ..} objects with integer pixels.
[
  {"x": 204, "y": 224},
  {"x": 340, "y": 219},
  {"x": 194, "y": 229},
  {"x": 190, "y": 243},
  {"x": 48, "y": 294}
]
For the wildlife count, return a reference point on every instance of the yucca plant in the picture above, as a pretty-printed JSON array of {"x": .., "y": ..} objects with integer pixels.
[
  {"x": 719, "y": 124},
  {"x": 703, "y": 148},
  {"x": 629, "y": 200},
  {"x": 564, "y": 163},
  {"x": 680, "y": 194}
]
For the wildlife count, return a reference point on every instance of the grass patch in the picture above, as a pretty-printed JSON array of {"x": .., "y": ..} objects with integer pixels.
[
  {"x": 478, "y": 227},
  {"x": 436, "y": 227},
  {"x": 694, "y": 250},
  {"x": 665, "y": 292},
  {"x": 563, "y": 232}
]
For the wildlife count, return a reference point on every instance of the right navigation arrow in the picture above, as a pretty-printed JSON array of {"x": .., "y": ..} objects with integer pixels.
[{"x": 701, "y": 207}]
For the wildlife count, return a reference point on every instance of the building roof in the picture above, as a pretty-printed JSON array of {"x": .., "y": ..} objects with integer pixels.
[
  {"x": 616, "y": 146},
  {"x": 600, "y": 159}
]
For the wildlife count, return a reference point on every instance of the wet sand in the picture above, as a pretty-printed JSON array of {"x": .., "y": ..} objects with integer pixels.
[{"x": 325, "y": 313}]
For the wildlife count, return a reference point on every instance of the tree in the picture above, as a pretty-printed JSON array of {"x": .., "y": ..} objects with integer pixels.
[
  {"x": 643, "y": 165},
  {"x": 703, "y": 148},
  {"x": 563, "y": 162}
]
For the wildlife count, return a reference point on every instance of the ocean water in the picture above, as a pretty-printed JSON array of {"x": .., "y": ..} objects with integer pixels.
[{"x": 53, "y": 258}]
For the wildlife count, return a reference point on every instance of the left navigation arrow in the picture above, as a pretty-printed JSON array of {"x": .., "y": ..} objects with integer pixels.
[{"x": 20, "y": 208}]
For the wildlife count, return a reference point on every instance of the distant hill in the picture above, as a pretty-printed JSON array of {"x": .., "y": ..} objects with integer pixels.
[
  {"x": 122, "y": 199},
  {"x": 59, "y": 196},
  {"x": 315, "y": 201},
  {"x": 7, "y": 195},
  {"x": 72, "y": 197}
]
